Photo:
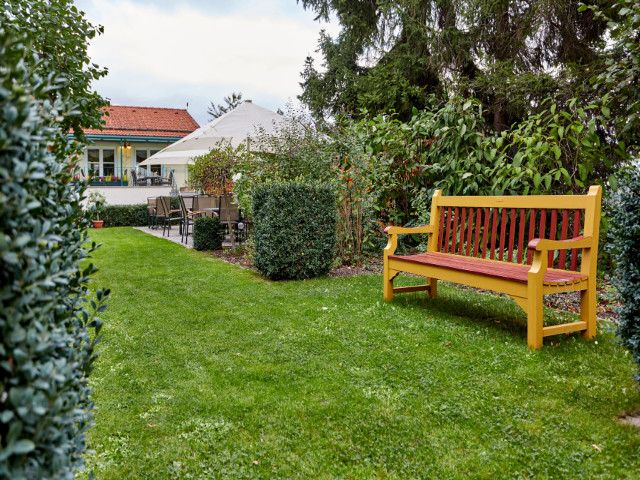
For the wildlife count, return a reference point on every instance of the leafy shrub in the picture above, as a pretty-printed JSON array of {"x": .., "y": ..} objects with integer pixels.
[
  {"x": 46, "y": 349},
  {"x": 208, "y": 233},
  {"x": 125, "y": 215},
  {"x": 625, "y": 230},
  {"x": 294, "y": 229}
]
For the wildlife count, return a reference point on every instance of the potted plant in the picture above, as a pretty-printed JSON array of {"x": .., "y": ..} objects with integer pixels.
[{"x": 95, "y": 204}]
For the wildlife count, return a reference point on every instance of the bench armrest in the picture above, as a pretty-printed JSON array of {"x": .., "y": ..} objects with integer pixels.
[
  {"x": 400, "y": 230},
  {"x": 543, "y": 244}
]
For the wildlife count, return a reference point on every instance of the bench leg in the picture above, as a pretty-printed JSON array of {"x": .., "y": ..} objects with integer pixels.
[
  {"x": 433, "y": 287},
  {"x": 388, "y": 276},
  {"x": 588, "y": 309},
  {"x": 535, "y": 316}
]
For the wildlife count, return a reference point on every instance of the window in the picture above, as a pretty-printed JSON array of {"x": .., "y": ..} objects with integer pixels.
[
  {"x": 101, "y": 162},
  {"x": 142, "y": 155}
]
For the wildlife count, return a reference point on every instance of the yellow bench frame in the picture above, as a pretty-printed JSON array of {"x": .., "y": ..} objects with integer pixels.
[{"x": 529, "y": 295}]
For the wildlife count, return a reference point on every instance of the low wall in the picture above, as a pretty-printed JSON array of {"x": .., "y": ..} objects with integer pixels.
[{"x": 130, "y": 195}]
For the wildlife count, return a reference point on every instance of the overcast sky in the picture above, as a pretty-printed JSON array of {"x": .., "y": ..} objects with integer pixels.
[{"x": 165, "y": 53}]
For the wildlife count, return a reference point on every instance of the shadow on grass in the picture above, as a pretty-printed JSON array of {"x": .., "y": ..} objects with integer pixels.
[{"x": 470, "y": 308}]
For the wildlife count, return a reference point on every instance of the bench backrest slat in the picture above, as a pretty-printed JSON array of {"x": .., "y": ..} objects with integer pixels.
[
  {"x": 469, "y": 231},
  {"x": 521, "y": 235},
  {"x": 476, "y": 240},
  {"x": 563, "y": 236},
  {"x": 494, "y": 233},
  {"x": 552, "y": 233},
  {"x": 576, "y": 232}
]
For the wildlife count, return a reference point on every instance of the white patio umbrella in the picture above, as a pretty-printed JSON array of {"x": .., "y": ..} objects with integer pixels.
[{"x": 236, "y": 127}]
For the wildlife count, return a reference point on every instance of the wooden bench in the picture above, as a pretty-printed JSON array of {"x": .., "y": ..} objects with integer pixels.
[{"x": 479, "y": 241}]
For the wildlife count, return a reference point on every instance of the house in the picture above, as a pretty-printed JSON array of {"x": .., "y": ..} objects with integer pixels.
[{"x": 131, "y": 135}]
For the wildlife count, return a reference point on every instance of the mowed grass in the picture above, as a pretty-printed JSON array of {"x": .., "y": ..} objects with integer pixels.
[{"x": 210, "y": 371}]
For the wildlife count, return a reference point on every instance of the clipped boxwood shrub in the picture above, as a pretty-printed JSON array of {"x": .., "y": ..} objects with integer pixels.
[
  {"x": 625, "y": 232},
  {"x": 208, "y": 233},
  {"x": 294, "y": 229},
  {"x": 124, "y": 215},
  {"x": 47, "y": 333}
]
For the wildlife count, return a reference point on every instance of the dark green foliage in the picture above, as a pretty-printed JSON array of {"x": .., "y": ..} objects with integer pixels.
[
  {"x": 124, "y": 215},
  {"x": 625, "y": 231},
  {"x": 389, "y": 55},
  {"x": 208, "y": 233},
  {"x": 47, "y": 331},
  {"x": 58, "y": 38},
  {"x": 294, "y": 229},
  {"x": 619, "y": 84}
]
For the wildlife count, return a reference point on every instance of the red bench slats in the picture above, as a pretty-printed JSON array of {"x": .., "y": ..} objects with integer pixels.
[
  {"x": 521, "y": 235},
  {"x": 446, "y": 240},
  {"x": 532, "y": 231},
  {"x": 576, "y": 232},
  {"x": 469, "y": 230},
  {"x": 506, "y": 271},
  {"x": 552, "y": 234},
  {"x": 494, "y": 231},
  {"x": 503, "y": 230},
  {"x": 456, "y": 214},
  {"x": 476, "y": 241},
  {"x": 563, "y": 236},
  {"x": 461, "y": 241},
  {"x": 442, "y": 220},
  {"x": 485, "y": 235}
]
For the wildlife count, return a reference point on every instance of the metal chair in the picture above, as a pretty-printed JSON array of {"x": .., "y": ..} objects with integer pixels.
[
  {"x": 187, "y": 217},
  {"x": 152, "y": 212},
  {"x": 165, "y": 212}
]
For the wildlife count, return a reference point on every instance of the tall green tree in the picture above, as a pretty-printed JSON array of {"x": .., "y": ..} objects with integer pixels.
[
  {"x": 231, "y": 101},
  {"x": 58, "y": 38},
  {"x": 391, "y": 54}
]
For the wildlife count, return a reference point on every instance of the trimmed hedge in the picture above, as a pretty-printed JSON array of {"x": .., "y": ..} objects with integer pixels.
[
  {"x": 124, "y": 215},
  {"x": 47, "y": 331},
  {"x": 208, "y": 233},
  {"x": 625, "y": 231},
  {"x": 294, "y": 229}
]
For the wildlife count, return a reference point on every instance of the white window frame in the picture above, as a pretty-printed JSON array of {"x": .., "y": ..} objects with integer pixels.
[
  {"x": 134, "y": 159},
  {"x": 101, "y": 160}
]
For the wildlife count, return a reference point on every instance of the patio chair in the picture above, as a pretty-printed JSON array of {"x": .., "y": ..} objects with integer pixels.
[
  {"x": 187, "y": 217},
  {"x": 167, "y": 180},
  {"x": 231, "y": 224},
  {"x": 206, "y": 203},
  {"x": 152, "y": 212},
  {"x": 165, "y": 212}
]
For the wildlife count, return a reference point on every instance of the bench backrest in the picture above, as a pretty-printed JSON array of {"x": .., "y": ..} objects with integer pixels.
[{"x": 500, "y": 227}]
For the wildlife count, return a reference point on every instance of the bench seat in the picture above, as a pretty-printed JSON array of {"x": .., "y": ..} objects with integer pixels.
[{"x": 488, "y": 268}]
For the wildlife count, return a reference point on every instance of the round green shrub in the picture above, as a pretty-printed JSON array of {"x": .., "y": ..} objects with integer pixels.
[
  {"x": 208, "y": 233},
  {"x": 625, "y": 231},
  {"x": 294, "y": 229}
]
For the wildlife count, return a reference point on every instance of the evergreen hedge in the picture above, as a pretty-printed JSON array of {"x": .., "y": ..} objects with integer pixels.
[
  {"x": 124, "y": 215},
  {"x": 625, "y": 232},
  {"x": 294, "y": 229},
  {"x": 208, "y": 233},
  {"x": 46, "y": 350}
]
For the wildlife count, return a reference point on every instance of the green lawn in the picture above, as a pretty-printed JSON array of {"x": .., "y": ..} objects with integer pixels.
[{"x": 210, "y": 371}]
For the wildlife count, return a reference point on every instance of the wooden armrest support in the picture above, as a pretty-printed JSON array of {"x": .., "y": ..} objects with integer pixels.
[
  {"x": 542, "y": 244},
  {"x": 423, "y": 229}
]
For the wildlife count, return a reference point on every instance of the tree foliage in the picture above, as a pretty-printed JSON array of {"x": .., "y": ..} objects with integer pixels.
[
  {"x": 231, "y": 102},
  {"x": 390, "y": 55},
  {"x": 619, "y": 84},
  {"x": 57, "y": 35}
]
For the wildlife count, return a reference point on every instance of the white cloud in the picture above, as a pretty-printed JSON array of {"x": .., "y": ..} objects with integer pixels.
[{"x": 160, "y": 55}]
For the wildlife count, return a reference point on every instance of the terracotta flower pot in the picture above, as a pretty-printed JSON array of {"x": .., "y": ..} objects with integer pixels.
[{"x": 98, "y": 223}]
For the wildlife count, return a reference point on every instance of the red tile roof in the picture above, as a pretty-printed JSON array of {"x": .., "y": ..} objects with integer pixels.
[{"x": 146, "y": 122}]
